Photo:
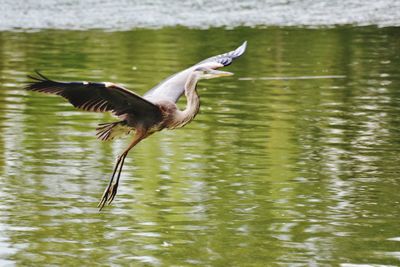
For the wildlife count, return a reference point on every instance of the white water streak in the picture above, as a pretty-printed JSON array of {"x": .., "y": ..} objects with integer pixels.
[{"x": 293, "y": 78}]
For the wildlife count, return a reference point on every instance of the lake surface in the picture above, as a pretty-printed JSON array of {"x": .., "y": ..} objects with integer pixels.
[
  {"x": 294, "y": 161},
  {"x": 127, "y": 14}
]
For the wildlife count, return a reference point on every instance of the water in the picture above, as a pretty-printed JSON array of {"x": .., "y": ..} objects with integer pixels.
[
  {"x": 127, "y": 14},
  {"x": 294, "y": 161}
]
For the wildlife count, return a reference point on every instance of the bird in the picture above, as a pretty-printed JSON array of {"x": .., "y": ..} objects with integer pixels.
[{"x": 143, "y": 115}]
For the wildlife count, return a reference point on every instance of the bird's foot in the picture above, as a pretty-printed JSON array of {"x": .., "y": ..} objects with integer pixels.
[{"x": 108, "y": 195}]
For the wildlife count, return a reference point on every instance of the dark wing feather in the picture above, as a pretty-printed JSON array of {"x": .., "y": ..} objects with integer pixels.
[{"x": 97, "y": 97}]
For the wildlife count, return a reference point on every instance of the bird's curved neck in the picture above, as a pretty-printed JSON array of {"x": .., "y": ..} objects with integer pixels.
[{"x": 193, "y": 101}]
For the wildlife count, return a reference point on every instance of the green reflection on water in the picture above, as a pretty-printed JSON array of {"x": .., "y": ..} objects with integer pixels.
[{"x": 271, "y": 172}]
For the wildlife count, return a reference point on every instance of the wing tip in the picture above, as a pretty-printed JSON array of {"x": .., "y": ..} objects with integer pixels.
[
  {"x": 38, "y": 78},
  {"x": 39, "y": 83},
  {"x": 241, "y": 49}
]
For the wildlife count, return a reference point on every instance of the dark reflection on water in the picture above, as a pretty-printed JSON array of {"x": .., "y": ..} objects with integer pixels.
[{"x": 288, "y": 172}]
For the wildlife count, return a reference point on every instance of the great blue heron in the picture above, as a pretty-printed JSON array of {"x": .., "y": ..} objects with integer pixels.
[{"x": 155, "y": 111}]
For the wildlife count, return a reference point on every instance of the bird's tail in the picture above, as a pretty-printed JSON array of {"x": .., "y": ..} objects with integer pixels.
[{"x": 108, "y": 131}]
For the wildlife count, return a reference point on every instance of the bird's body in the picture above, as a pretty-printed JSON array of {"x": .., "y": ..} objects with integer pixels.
[
  {"x": 171, "y": 117},
  {"x": 155, "y": 111}
]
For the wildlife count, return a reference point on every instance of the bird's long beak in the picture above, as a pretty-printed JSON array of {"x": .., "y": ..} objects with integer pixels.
[
  {"x": 223, "y": 73},
  {"x": 218, "y": 73}
]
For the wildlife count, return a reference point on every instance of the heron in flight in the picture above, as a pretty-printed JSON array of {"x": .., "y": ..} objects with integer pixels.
[{"x": 155, "y": 111}]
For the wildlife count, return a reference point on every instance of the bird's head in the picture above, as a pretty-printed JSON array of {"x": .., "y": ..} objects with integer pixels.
[{"x": 207, "y": 73}]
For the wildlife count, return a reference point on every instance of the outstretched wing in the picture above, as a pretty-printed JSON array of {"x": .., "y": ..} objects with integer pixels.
[
  {"x": 97, "y": 97},
  {"x": 173, "y": 87},
  {"x": 227, "y": 58}
]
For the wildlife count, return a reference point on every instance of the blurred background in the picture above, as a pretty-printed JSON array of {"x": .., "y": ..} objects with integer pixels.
[{"x": 294, "y": 161}]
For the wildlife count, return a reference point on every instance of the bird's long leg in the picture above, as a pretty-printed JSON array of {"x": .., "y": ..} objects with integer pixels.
[
  {"x": 115, "y": 185},
  {"x": 110, "y": 186},
  {"x": 111, "y": 190}
]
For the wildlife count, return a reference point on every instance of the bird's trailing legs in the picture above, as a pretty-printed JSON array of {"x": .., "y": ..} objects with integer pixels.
[{"x": 111, "y": 190}]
